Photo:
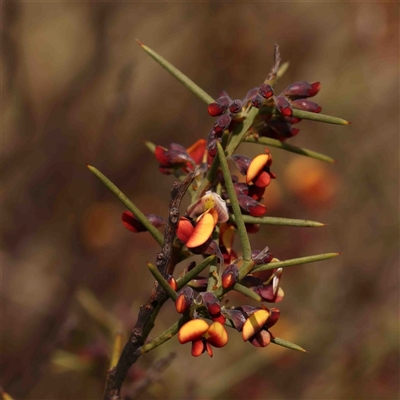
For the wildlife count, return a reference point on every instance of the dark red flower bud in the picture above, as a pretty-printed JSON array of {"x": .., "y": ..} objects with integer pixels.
[
  {"x": 211, "y": 303},
  {"x": 184, "y": 299},
  {"x": 299, "y": 90},
  {"x": 241, "y": 162},
  {"x": 251, "y": 206},
  {"x": 222, "y": 123},
  {"x": 278, "y": 129},
  {"x": 283, "y": 106},
  {"x": 257, "y": 101},
  {"x": 236, "y": 106},
  {"x": 219, "y": 106},
  {"x": 230, "y": 276},
  {"x": 134, "y": 225},
  {"x": 292, "y": 120},
  {"x": 250, "y": 94},
  {"x": 266, "y": 91},
  {"x": 212, "y": 143},
  {"x": 306, "y": 105},
  {"x": 175, "y": 156},
  {"x": 252, "y": 228}
]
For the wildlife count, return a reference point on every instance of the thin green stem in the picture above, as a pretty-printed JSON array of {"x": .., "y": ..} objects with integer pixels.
[
  {"x": 288, "y": 345},
  {"x": 295, "y": 261},
  {"x": 164, "y": 337},
  {"x": 162, "y": 281},
  {"x": 181, "y": 77},
  {"x": 158, "y": 236},
  {"x": 319, "y": 117},
  {"x": 244, "y": 239},
  {"x": 285, "y": 146},
  {"x": 248, "y": 219}
]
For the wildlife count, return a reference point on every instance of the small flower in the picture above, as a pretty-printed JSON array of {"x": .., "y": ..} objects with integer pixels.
[
  {"x": 219, "y": 106},
  {"x": 254, "y": 323},
  {"x": 213, "y": 307},
  {"x": 184, "y": 300},
  {"x": 179, "y": 157},
  {"x": 210, "y": 200},
  {"x": 230, "y": 276},
  {"x": 134, "y": 225},
  {"x": 251, "y": 206},
  {"x": 206, "y": 212},
  {"x": 299, "y": 90},
  {"x": 283, "y": 106},
  {"x": 203, "y": 336},
  {"x": 306, "y": 105},
  {"x": 259, "y": 170}
]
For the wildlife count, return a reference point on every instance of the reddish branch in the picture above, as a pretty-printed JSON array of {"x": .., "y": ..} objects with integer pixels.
[{"x": 144, "y": 323}]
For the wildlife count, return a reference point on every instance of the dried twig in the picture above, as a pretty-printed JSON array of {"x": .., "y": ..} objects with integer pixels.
[{"x": 147, "y": 312}]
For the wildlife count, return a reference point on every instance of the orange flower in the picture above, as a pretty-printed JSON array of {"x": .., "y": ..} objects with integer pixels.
[
  {"x": 179, "y": 157},
  {"x": 203, "y": 336},
  {"x": 207, "y": 211}
]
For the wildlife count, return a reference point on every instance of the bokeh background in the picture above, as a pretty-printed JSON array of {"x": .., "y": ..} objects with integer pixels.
[{"x": 76, "y": 89}]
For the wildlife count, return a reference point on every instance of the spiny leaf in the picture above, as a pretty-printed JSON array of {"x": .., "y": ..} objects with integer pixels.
[
  {"x": 198, "y": 91},
  {"x": 288, "y": 345},
  {"x": 319, "y": 117},
  {"x": 293, "y": 149},
  {"x": 158, "y": 236},
  {"x": 282, "y": 70},
  {"x": 295, "y": 261},
  {"x": 151, "y": 146},
  {"x": 248, "y": 219},
  {"x": 244, "y": 239}
]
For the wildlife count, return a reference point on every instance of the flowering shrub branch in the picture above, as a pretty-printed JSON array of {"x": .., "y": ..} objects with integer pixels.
[{"x": 222, "y": 205}]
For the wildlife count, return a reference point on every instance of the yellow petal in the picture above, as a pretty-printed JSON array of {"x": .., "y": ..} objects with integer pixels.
[
  {"x": 254, "y": 323},
  {"x": 202, "y": 231},
  {"x": 192, "y": 330},
  {"x": 256, "y": 166},
  {"x": 217, "y": 335}
]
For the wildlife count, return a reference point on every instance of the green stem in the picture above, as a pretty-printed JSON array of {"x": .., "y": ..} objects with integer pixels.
[
  {"x": 295, "y": 261},
  {"x": 319, "y": 117},
  {"x": 181, "y": 77},
  {"x": 285, "y": 146},
  {"x": 157, "y": 235},
  {"x": 162, "y": 281},
  {"x": 244, "y": 239},
  {"x": 164, "y": 337},
  {"x": 248, "y": 219}
]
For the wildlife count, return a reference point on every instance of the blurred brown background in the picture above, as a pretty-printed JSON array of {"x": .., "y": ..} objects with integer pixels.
[{"x": 76, "y": 88}]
